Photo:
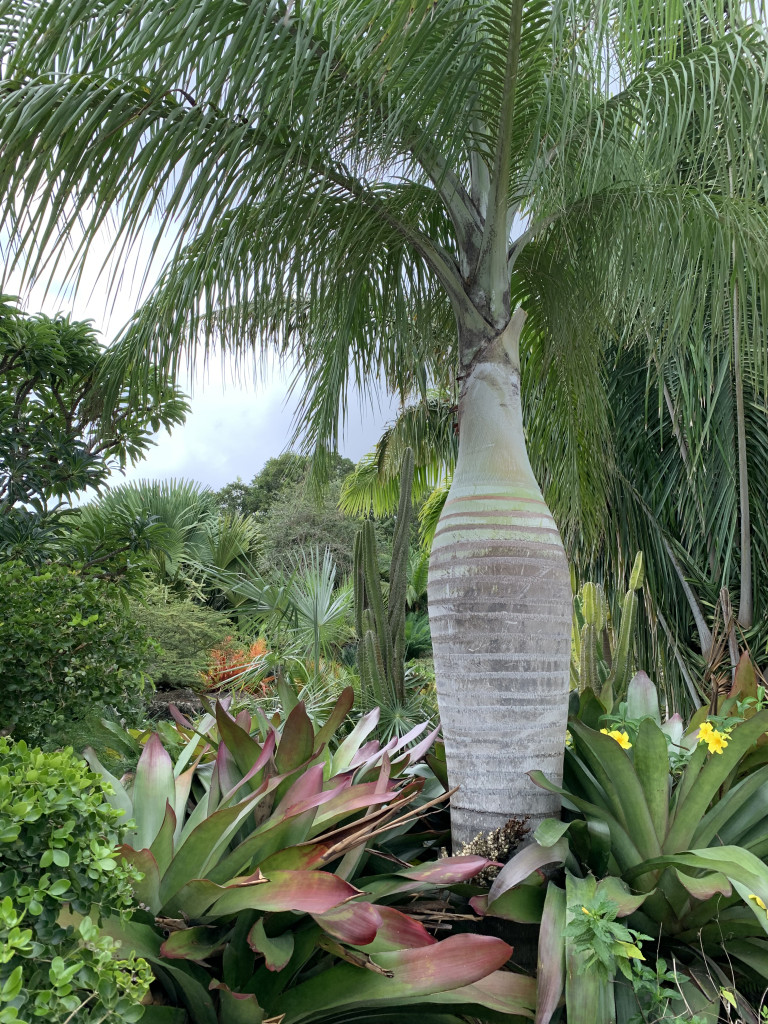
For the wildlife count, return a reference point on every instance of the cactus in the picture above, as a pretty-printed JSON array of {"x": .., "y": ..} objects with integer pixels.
[
  {"x": 594, "y": 608},
  {"x": 622, "y": 658},
  {"x": 381, "y": 628},
  {"x": 597, "y": 661}
]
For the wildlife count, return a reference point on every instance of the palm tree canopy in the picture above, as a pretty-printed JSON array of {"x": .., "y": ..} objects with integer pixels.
[{"x": 345, "y": 178}]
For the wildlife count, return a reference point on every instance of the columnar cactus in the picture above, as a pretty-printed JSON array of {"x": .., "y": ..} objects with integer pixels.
[
  {"x": 599, "y": 662},
  {"x": 380, "y": 625}
]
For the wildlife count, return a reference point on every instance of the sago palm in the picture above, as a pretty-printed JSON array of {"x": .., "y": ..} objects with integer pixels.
[{"x": 345, "y": 177}]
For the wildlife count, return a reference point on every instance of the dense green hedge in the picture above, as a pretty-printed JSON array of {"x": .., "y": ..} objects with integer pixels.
[
  {"x": 58, "y": 851},
  {"x": 68, "y": 648}
]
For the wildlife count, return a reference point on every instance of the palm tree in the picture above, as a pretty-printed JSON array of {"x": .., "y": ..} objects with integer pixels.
[{"x": 346, "y": 177}]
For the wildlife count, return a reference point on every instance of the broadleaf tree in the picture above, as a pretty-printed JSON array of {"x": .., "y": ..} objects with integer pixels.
[
  {"x": 343, "y": 178},
  {"x": 57, "y": 437}
]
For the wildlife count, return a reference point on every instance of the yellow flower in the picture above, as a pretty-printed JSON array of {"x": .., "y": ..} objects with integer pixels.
[
  {"x": 759, "y": 902},
  {"x": 705, "y": 732},
  {"x": 717, "y": 742},
  {"x": 619, "y": 735}
]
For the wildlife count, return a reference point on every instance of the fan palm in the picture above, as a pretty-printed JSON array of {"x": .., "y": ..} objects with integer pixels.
[
  {"x": 194, "y": 541},
  {"x": 346, "y": 177}
]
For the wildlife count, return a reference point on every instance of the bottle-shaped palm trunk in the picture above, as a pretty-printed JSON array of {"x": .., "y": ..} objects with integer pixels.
[{"x": 500, "y": 610}]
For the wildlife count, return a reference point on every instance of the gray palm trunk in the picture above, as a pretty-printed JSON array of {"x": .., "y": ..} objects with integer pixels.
[{"x": 500, "y": 608}]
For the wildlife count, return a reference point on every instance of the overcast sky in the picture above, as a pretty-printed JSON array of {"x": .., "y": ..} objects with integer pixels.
[{"x": 232, "y": 428}]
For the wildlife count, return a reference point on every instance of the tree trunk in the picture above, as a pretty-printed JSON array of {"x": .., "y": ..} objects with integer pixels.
[{"x": 500, "y": 610}]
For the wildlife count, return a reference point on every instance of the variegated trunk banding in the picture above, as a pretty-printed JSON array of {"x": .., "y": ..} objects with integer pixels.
[{"x": 500, "y": 610}]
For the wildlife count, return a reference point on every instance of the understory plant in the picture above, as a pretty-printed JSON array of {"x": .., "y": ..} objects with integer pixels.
[
  {"x": 59, "y": 840},
  {"x": 272, "y": 859},
  {"x": 67, "y": 646},
  {"x": 663, "y": 848}
]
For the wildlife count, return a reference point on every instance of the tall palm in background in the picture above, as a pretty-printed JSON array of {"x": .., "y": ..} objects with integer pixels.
[{"x": 346, "y": 178}]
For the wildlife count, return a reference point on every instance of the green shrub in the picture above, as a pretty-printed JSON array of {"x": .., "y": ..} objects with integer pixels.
[
  {"x": 185, "y": 633},
  {"x": 67, "y": 646},
  {"x": 59, "y": 839}
]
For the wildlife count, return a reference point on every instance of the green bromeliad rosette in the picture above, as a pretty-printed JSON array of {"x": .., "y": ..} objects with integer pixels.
[{"x": 661, "y": 852}]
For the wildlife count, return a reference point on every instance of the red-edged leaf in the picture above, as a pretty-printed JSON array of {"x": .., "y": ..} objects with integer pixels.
[
  {"x": 451, "y": 963},
  {"x": 313, "y": 892},
  {"x": 479, "y": 904},
  {"x": 243, "y": 748},
  {"x": 183, "y": 786},
  {"x": 237, "y": 1007},
  {"x": 297, "y": 740},
  {"x": 180, "y": 719},
  {"x": 706, "y": 885},
  {"x": 203, "y": 845},
  {"x": 551, "y": 965},
  {"x": 454, "y": 963},
  {"x": 302, "y": 857},
  {"x": 191, "y": 944},
  {"x": 243, "y": 719},
  {"x": 146, "y": 889},
  {"x": 449, "y": 870},
  {"x": 268, "y": 839},
  {"x": 421, "y": 749},
  {"x": 398, "y": 931},
  {"x": 162, "y": 846},
  {"x": 308, "y": 784},
  {"x": 255, "y": 774},
  {"x": 351, "y": 744},
  {"x": 341, "y": 710},
  {"x": 508, "y": 993},
  {"x": 354, "y": 798},
  {"x": 277, "y": 950},
  {"x": 524, "y": 863},
  {"x": 201, "y": 893},
  {"x": 368, "y": 750},
  {"x": 354, "y": 923},
  {"x": 224, "y": 778},
  {"x": 153, "y": 787}
]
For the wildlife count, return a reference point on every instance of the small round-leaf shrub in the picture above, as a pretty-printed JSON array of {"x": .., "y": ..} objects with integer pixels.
[
  {"x": 67, "y": 647},
  {"x": 58, "y": 851}
]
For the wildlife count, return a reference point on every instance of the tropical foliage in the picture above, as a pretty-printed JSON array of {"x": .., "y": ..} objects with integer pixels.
[
  {"x": 57, "y": 438},
  {"x": 235, "y": 841},
  {"x": 663, "y": 830},
  {"x": 59, "y": 840},
  {"x": 68, "y": 648}
]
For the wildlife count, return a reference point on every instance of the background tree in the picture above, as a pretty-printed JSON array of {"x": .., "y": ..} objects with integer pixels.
[
  {"x": 346, "y": 178},
  {"x": 284, "y": 475},
  {"x": 56, "y": 436}
]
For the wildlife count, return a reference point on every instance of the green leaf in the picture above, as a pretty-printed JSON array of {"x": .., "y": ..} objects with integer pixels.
[
  {"x": 191, "y": 944},
  {"x": 312, "y": 892},
  {"x": 651, "y": 762},
  {"x": 153, "y": 788},
  {"x": 524, "y": 904},
  {"x": 453, "y": 963},
  {"x": 616, "y": 774},
  {"x": 297, "y": 740},
  {"x": 693, "y": 805},
  {"x": 701, "y": 887},
  {"x": 12, "y": 985},
  {"x": 551, "y": 959},
  {"x": 237, "y": 1007},
  {"x": 524, "y": 863},
  {"x": 277, "y": 950}
]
